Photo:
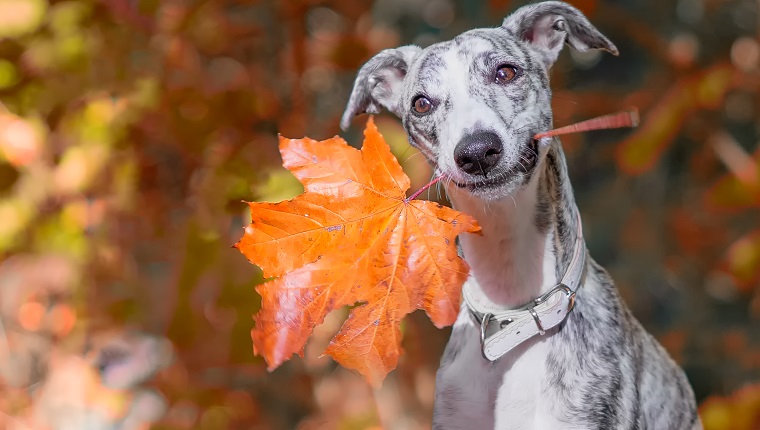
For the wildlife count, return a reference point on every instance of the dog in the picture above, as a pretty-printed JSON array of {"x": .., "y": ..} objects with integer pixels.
[{"x": 543, "y": 339}]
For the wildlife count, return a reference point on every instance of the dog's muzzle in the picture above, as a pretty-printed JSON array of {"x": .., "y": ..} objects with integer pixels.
[{"x": 478, "y": 154}]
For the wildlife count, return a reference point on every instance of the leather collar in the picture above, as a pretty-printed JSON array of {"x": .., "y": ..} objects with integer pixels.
[{"x": 503, "y": 330}]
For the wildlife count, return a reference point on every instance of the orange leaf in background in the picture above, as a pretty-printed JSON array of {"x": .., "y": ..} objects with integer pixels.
[
  {"x": 730, "y": 194},
  {"x": 739, "y": 189},
  {"x": 743, "y": 260},
  {"x": 351, "y": 238},
  {"x": 706, "y": 90},
  {"x": 20, "y": 142},
  {"x": 740, "y": 411}
]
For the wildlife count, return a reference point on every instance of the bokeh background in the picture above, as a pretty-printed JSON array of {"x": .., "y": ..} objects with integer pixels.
[{"x": 131, "y": 130}]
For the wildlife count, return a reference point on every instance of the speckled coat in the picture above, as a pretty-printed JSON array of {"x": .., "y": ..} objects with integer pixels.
[{"x": 599, "y": 369}]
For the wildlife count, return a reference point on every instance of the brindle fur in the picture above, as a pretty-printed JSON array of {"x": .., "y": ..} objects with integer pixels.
[{"x": 599, "y": 369}]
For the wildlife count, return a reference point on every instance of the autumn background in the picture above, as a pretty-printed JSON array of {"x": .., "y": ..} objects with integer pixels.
[{"x": 131, "y": 130}]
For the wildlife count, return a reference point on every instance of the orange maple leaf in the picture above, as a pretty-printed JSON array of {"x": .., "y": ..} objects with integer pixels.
[{"x": 352, "y": 238}]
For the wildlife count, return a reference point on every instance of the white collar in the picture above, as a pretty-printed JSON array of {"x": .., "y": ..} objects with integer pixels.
[{"x": 502, "y": 330}]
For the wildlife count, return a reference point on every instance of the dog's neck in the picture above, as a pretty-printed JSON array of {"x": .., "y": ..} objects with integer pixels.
[{"x": 527, "y": 240}]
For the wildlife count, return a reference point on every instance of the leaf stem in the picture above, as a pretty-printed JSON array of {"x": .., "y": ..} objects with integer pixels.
[
  {"x": 425, "y": 187},
  {"x": 628, "y": 118}
]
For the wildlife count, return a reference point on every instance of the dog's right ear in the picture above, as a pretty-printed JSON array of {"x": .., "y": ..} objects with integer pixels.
[
  {"x": 548, "y": 25},
  {"x": 378, "y": 83}
]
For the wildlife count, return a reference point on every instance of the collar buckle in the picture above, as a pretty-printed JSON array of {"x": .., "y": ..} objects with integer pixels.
[{"x": 560, "y": 287}]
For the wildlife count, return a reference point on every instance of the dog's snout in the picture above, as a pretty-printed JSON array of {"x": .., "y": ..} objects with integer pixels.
[{"x": 478, "y": 153}]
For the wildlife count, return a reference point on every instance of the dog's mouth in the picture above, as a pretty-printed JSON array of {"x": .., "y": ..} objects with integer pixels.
[{"x": 526, "y": 163}]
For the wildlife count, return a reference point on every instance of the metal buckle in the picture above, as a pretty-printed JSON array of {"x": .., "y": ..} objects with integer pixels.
[
  {"x": 483, "y": 326},
  {"x": 560, "y": 287}
]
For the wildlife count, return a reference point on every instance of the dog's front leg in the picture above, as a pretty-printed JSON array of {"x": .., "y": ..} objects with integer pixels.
[{"x": 464, "y": 395}]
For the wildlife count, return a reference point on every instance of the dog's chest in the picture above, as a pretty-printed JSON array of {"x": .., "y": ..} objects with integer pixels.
[
  {"x": 526, "y": 398},
  {"x": 518, "y": 402},
  {"x": 510, "y": 393}
]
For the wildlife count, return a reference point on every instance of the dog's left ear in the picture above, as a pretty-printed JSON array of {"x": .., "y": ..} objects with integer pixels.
[
  {"x": 378, "y": 83},
  {"x": 547, "y": 26}
]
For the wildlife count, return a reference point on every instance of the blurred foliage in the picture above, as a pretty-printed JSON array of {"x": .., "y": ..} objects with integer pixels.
[
  {"x": 741, "y": 411},
  {"x": 130, "y": 131}
]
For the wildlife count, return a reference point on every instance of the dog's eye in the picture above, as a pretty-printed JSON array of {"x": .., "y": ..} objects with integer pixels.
[
  {"x": 506, "y": 73},
  {"x": 421, "y": 104}
]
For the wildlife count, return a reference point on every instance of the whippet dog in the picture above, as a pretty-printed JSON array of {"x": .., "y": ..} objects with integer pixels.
[{"x": 543, "y": 339}]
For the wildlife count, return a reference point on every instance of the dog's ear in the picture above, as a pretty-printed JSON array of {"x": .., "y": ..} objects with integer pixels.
[
  {"x": 378, "y": 83},
  {"x": 546, "y": 26}
]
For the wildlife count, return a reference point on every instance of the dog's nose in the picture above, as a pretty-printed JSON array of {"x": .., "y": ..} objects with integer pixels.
[{"x": 478, "y": 153}]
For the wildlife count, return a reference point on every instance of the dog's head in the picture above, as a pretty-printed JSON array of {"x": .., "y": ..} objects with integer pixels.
[{"x": 473, "y": 104}]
